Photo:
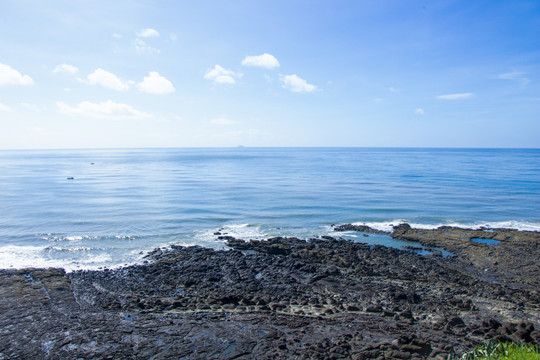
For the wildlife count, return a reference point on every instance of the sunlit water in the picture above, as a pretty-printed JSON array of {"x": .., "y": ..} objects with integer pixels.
[{"x": 123, "y": 203}]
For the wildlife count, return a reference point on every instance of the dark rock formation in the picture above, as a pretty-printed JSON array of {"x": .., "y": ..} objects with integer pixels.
[
  {"x": 278, "y": 298},
  {"x": 513, "y": 261},
  {"x": 361, "y": 228}
]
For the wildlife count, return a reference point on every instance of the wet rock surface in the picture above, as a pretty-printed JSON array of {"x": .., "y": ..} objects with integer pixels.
[
  {"x": 514, "y": 257},
  {"x": 282, "y": 298}
]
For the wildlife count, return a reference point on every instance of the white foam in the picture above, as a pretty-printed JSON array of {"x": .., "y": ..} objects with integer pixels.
[
  {"x": 510, "y": 224},
  {"x": 126, "y": 237},
  {"x": 73, "y": 253},
  {"x": 20, "y": 257},
  {"x": 57, "y": 238},
  {"x": 244, "y": 231},
  {"x": 236, "y": 226},
  {"x": 69, "y": 249},
  {"x": 13, "y": 256},
  {"x": 383, "y": 226},
  {"x": 239, "y": 231}
]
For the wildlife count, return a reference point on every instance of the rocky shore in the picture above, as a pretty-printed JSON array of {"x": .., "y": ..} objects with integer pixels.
[{"x": 323, "y": 298}]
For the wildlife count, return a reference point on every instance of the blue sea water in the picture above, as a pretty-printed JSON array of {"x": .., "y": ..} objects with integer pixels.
[{"x": 120, "y": 204}]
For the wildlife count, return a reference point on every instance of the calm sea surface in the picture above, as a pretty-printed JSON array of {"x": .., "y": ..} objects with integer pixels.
[{"x": 121, "y": 203}]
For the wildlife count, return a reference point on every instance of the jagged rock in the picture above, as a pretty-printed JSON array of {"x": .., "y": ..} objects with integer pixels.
[
  {"x": 280, "y": 297},
  {"x": 361, "y": 228}
]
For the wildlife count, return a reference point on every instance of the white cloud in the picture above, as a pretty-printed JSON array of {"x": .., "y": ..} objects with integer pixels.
[
  {"x": 4, "y": 107},
  {"x": 155, "y": 84},
  {"x": 35, "y": 129},
  {"x": 296, "y": 84},
  {"x": 265, "y": 61},
  {"x": 148, "y": 33},
  {"x": 515, "y": 76},
  {"x": 223, "y": 121},
  {"x": 393, "y": 89},
  {"x": 31, "y": 107},
  {"x": 141, "y": 46},
  {"x": 117, "y": 36},
  {"x": 419, "y": 111},
  {"x": 107, "y": 79},
  {"x": 66, "y": 68},
  {"x": 455, "y": 96},
  {"x": 511, "y": 75},
  {"x": 222, "y": 76},
  {"x": 105, "y": 110},
  {"x": 10, "y": 76}
]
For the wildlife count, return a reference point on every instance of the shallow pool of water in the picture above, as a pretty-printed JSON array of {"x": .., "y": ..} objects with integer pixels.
[
  {"x": 485, "y": 241},
  {"x": 387, "y": 240}
]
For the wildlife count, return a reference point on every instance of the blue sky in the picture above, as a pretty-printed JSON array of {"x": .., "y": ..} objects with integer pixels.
[{"x": 140, "y": 73}]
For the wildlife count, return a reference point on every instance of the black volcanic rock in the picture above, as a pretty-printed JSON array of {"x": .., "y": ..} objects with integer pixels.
[
  {"x": 280, "y": 298},
  {"x": 361, "y": 228}
]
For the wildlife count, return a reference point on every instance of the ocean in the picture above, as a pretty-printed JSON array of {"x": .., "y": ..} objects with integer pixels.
[{"x": 91, "y": 209}]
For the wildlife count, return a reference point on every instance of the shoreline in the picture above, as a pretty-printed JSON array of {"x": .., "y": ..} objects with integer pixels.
[
  {"x": 284, "y": 297},
  {"x": 80, "y": 251}
]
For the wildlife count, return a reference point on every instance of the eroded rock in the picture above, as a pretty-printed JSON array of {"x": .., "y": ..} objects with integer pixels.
[{"x": 278, "y": 298}]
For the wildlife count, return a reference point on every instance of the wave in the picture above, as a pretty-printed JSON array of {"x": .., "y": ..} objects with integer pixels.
[
  {"x": 74, "y": 238},
  {"x": 509, "y": 224},
  {"x": 21, "y": 257},
  {"x": 53, "y": 249},
  {"x": 240, "y": 231},
  {"x": 89, "y": 252}
]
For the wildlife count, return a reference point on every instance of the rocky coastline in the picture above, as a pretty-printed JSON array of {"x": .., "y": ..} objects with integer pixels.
[{"x": 320, "y": 298}]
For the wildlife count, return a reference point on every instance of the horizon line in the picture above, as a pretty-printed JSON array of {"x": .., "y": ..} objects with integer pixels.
[{"x": 271, "y": 147}]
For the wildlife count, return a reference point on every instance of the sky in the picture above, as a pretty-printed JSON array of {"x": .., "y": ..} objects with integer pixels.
[{"x": 325, "y": 73}]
